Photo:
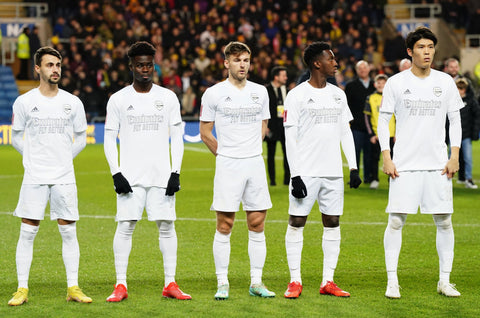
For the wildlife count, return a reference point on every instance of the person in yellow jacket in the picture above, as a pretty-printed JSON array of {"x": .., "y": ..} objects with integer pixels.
[
  {"x": 372, "y": 106},
  {"x": 23, "y": 53}
]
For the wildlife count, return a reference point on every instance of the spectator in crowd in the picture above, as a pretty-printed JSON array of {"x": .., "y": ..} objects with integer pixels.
[
  {"x": 23, "y": 53},
  {"x": 372, "y": 109},
  {"x": 470, "y": 118},
  {"x": 277, "y": 91},
  {"x": 404, "y": 64},
  {"x": 34, "y": 43},
  {"x": 357, "y": 91}
]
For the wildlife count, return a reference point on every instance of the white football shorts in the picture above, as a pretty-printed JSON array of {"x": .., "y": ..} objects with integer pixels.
[
  {"x": 159, "y": 206},
  {"x": 430, "y": 190},
  {"x": 33, "y": 200},
  {"x": 240, "y": 180},
  {"x": 327, "y": 191}
]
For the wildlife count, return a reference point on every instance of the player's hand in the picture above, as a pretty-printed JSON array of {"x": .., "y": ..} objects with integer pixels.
[
  {"x": 451, "y": 168},
  {"x": 390, "y": 169},
  {"x": 173, "y": 184},
  {"x": 299, "y": 190},
  {"x": 121, "y": 184},
  {"x": 355, "y": 180}
]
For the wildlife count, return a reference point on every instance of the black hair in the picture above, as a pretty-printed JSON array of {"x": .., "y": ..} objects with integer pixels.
[
  {"x": 141, "y": 48},
  {"x": 313, "y": 51},
  {"x": 419, "y": 33},
  {"x": 276, "y": 70},
  {"x": 46, "y": 50}
]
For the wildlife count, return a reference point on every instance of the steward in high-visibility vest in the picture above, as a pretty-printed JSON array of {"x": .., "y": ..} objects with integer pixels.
[{"x": 23, "y": 45}]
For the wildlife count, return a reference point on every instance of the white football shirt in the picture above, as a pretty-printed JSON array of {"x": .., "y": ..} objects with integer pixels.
[
  {"x": 49, "y": 124},
  {"x": 320, "y": 115},
  {"x": 238, "y": 116},
  {"x": 420, "y": 106},
  {"x": 143, "y": 121}
]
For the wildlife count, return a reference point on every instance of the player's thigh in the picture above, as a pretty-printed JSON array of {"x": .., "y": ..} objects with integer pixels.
[
  {"x": 256, "y": 196},
  {"x": 302, "y": 207},
  {"x": 330, "y": 196},
  {"x": 437, "y": 193},
  {"x": 405, "y": 192},
  {"x": 228, "y": 184},
  {"x": 64, "y": 202},
  {"x": 32, "y": 201},
  {"x": 130, "y": 205},
  {"x": 160, "y": 206}
]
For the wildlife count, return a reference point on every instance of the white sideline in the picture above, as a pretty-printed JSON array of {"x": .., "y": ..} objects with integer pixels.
[{"x": 86, "y": 216}]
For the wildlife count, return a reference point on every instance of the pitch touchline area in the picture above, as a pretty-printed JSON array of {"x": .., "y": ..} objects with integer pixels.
[{"x": 268, "y": 221}]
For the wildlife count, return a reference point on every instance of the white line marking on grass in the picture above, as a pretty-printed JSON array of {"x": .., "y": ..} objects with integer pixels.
[
  {"x": 196, "y": 149},
  {"x": 10, "y": 176},
  {"x": 87, "y": 216}
]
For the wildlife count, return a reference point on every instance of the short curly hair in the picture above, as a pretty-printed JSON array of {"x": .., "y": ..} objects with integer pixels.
[
  {"x": 313, "y": 51},
  {"x": 141, "y": 48}
]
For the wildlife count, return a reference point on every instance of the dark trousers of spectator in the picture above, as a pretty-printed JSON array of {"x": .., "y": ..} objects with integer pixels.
[
  {"x": 363, "y": 145},
  {"x": 461, "y": 169},
  {"x": 271, "y": 149},
  {"x": 24, "y": 70},
  {"x": 376, "y": 153}
]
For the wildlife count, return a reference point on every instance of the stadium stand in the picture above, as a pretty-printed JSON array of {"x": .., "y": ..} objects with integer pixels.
[{"x": 8, "y": 92}]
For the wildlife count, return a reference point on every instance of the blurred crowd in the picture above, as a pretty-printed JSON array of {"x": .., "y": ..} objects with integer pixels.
[{"x": 94, "y": 36}]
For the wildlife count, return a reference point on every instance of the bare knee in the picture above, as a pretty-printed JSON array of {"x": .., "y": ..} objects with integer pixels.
[
  {"x": 225, "y": 222},
  {"x": 297, "y": 221}
]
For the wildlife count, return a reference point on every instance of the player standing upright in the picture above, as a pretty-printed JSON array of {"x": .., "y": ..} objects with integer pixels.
[
  {"x": 316, "y": 123},
  {"x": 239, "y": 110},
  {"x": 49, "y": 130},
  {"x": 421, "y": 172},
  {"x": 146, "y": 116}
]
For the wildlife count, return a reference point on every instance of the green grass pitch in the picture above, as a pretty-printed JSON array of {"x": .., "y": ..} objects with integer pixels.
[{"x": 360, "y": 270}]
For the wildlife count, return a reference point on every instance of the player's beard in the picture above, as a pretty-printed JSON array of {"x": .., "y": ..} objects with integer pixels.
[{"x": 52, "y": 81}]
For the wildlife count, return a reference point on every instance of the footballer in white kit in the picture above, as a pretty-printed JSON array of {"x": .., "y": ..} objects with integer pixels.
[
  {"x": 420, "y": 174},
  {"x": 144, "y": 116},
  {"x": 49, "y": 130},
  {"x": 316, "y": 122},
  {"x": 239, "y": 109}
]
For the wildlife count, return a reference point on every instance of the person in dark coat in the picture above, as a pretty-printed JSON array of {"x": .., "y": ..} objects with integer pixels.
[
  {"x": 357, "y": 91},
  {"x": 277, "y": 91}
]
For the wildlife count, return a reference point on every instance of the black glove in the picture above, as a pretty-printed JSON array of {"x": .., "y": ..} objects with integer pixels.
[
  {"x": 299, "y": 190},
  {"x": 173, "y": 184},
  {"x": 355, "y": 180},
  {"x": 121, "y": 184}
]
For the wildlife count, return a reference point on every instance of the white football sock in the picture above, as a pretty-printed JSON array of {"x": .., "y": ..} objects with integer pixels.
[
  {"x": 392, "y": 242},
  {"x": 221, "y": 255},
  {"x": 168, "y": 246},
  {"x": 445, "y": 244},
  {"x": 122, "y": 245},
  {"x": 24, "y": 253},
  {"x": 70, "y": 252},
  {"x": 331, "y": 250},
  {"x": 294, "y": 246},
  {"x": 257, "y": 251}
]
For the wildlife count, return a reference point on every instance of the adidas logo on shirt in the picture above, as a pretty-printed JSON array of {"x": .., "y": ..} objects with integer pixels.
[
  {"x": 228, "y": 99},
  {"x": 407, "y": 92},
  {"x": 311, "y": 101},
  {"x": 35, "y": 109},
  {"x": 130, "y": 108}
]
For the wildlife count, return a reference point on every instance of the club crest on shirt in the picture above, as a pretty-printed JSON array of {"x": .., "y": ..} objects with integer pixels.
[
  {"x": 254, "y": 97},
  {"x": 158, "y": 104},
  {"x": 67, "y": 109},
  {"x": 337, "y": 99},
  {"x": 437, "y": 91}
]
